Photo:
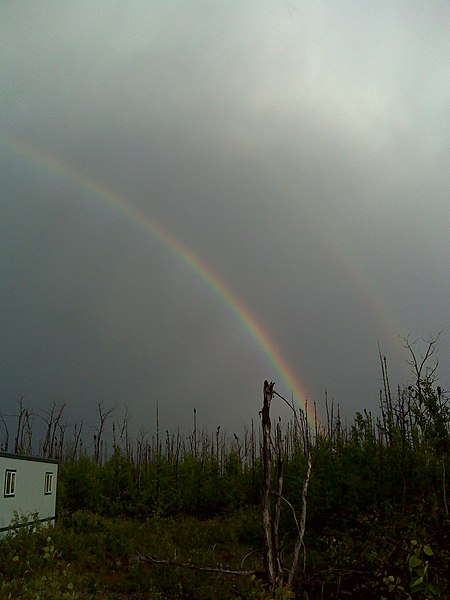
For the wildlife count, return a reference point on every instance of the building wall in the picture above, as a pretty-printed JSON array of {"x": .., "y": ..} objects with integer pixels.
[{"x": 30, "y": 495}]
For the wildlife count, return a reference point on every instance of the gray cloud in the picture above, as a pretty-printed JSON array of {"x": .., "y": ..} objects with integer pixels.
[{"x": 299, "y": 150}]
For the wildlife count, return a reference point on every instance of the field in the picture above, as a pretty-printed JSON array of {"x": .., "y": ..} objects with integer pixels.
[{"x": 181, "y": 517}]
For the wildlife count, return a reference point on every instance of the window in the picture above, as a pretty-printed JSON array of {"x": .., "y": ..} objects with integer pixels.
[
  {"x": 10, "y": 483},
  {"x": 48, "y": 483}
]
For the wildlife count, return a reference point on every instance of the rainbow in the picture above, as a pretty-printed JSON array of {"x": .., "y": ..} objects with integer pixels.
[{"x": 241, "y": 312}]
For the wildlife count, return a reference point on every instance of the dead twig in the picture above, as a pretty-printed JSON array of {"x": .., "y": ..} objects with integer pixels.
[{"x": 192, "y": 566}]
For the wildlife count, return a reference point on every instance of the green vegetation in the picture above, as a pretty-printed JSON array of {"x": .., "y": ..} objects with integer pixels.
[{"x": 376, "y": 527}]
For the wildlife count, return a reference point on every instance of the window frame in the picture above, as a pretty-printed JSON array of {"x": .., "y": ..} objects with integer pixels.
[
  {"x": 48, "y": 483},
  {"x": 9, "y": 487}
]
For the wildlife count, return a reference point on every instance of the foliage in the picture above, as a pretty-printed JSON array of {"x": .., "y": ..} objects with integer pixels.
[{"x": 90, "y": 556}]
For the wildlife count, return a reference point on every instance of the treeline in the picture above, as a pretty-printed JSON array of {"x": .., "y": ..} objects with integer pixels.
[{"x": 394, "y": 460}]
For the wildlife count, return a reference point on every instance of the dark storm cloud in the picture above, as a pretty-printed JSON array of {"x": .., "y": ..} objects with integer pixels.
[{"x": 298, "y": 150}]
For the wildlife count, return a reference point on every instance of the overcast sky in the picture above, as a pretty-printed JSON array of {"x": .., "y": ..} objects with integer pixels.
[{"x": 299, "y": 150}]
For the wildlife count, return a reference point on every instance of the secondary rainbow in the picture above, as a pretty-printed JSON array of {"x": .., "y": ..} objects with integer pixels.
[{"x": 288, "y": 378}]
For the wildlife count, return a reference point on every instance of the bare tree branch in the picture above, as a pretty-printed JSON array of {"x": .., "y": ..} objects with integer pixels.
[
  {"x": 192, "y": 566},
  {"x": 299, "y": 542}
]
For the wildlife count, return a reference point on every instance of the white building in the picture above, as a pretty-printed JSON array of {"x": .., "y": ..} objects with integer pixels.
[{"x": 29, "y": 487}]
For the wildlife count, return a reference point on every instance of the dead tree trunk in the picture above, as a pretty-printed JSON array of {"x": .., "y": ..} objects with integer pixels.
[
  {"x": 271, "y": 520},
  {"x": 267, "y": 478},
  {"x": 302, "y": 524},
  {"x": 276, "y": 519},
  {"x": 98, "y": 442},
  {"x": 21, "y": 417},
  {"x": 4, "y": 446},
  {"x": 272, "y": 558}
]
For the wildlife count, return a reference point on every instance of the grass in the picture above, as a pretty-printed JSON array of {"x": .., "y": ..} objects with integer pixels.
[{"x": 91, "y": 557}]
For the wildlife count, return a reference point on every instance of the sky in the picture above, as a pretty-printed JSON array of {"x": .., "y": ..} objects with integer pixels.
[{"x": 196, "y": 196}]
